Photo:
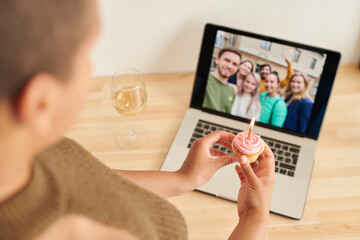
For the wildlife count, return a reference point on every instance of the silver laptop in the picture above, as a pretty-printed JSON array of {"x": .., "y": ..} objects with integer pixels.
[{"x": 293, "y": 146}]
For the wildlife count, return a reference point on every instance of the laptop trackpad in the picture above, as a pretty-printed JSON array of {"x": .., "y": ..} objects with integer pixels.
[{"x": 225, "y": 183}]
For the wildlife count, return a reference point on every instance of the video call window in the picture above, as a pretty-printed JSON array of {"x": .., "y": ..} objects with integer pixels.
[{"x": 248, "y": 95}]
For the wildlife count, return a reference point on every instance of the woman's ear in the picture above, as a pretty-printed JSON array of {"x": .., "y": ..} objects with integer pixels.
[{"x": 37, "y": 102}]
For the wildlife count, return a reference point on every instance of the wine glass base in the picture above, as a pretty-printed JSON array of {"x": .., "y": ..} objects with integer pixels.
[{"x": 132, "y": 138}]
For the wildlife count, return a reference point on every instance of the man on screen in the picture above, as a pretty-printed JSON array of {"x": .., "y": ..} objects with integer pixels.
[
  {"x": 265, "y": 69},
  {"x": 219, "y": 95}
]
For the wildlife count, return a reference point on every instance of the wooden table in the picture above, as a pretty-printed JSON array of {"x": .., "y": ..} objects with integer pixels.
[{"x": 333, "y": 207}]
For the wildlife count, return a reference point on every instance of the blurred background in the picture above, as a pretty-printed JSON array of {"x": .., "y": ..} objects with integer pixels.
[{"x": 162, "y": 36}]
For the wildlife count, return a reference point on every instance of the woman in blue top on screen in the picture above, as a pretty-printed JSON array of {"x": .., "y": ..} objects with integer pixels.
[
  {"x": 246, "y": 103},
  {"x": 298, "y": 103},
  {"x": 273, "y": 107}
]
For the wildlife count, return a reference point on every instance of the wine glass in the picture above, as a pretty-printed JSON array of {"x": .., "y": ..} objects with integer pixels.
[{"x": 129, "y": 97}]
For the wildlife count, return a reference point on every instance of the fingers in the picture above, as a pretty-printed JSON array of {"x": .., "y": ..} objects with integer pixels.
[
  {"x": 216, "y": 152},
  {"x": 240, "y": 174},
  {"x": 227, "y": 159},
  {"x": 247, "y": 170},
  {"x": 267, "y": 160},
  {"x": 218, "y": 137},
  {"x": 254, "y": 166}
]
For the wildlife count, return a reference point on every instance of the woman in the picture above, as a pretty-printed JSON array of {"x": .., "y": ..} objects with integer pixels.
[
  {"x": 273, "y": 108},
  {"x": 245, "y": 68},
  {"x": 51, "y": 187},
  {"x": 246, "y": 103},
  {"x": 298, "y": 103}
]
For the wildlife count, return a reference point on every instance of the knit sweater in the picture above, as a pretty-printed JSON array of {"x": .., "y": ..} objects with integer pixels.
[{"x": 67, "y": 179}]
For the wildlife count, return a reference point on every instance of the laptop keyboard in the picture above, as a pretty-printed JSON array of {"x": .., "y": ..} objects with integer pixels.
[{"x": 286, "y": 155}]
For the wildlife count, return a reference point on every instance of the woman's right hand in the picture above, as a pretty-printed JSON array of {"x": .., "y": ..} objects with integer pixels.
[{"x": 257, "y": 182}]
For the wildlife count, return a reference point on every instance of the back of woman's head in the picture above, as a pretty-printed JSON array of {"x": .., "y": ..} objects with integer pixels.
[{"x": 39, "y": 36}]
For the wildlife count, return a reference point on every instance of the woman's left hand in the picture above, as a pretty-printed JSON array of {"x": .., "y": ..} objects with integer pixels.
[{"x": 200, "y": 164}]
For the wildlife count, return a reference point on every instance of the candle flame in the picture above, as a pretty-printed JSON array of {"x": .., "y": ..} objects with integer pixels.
[
  {"x": 250, "y": 128},
  {"x": 252, "y": 122}
]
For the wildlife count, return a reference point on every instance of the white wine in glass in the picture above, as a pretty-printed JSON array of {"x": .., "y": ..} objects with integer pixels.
[
  {"x": 130, "y": 101},
  {"x": 129, "y": 97}
]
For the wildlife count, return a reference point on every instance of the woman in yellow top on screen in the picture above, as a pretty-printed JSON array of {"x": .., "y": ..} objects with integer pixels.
[{"x": 265, "y": 69}]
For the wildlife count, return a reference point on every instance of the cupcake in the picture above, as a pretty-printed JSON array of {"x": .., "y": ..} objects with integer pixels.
[{"x": 248, "y": 144}]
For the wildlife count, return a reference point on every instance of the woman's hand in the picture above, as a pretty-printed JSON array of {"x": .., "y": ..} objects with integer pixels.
[
  {"x": 200, "y": 164},
  {"x": 257, "y": 182}
]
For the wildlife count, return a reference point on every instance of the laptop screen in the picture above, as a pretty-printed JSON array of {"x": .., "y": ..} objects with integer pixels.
[{"x": 284, "y": 85}]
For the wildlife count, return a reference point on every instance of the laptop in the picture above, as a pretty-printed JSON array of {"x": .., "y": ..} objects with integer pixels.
[{"x": 294, "y": 149}]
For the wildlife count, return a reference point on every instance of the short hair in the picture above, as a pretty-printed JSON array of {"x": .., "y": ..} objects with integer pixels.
[
  {"x": 39, "y": 36},
  {"x": 276, "y": 74},
  {"x": 233, "y": 50},
  {"x": 265, "y": 65}
]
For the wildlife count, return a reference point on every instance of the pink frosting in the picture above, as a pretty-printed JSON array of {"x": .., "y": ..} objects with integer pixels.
[{"x": 245, "y": 145}]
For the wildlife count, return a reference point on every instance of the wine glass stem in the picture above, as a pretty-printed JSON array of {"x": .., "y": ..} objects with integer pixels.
[{"x": 132, "y": 132}]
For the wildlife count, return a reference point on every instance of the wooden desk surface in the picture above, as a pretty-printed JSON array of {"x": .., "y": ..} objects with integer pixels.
[{"x": 333, "y": 207}]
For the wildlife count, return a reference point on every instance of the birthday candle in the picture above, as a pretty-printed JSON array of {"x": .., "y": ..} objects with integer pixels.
[{"x": 250, "y": 128}]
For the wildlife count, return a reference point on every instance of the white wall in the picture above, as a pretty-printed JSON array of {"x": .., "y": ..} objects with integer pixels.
[{"x": 165, "y": 35}]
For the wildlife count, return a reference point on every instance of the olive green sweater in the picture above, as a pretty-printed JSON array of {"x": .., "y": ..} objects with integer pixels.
[{"x": 67, "y": 179}]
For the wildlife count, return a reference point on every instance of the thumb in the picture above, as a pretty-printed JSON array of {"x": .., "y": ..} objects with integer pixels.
[
  {"x": 227, "y": 159},
  {"x": 247, "y": 170}
]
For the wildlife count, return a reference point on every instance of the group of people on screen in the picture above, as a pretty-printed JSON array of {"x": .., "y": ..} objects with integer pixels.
[{"x": 233, "y": 87}]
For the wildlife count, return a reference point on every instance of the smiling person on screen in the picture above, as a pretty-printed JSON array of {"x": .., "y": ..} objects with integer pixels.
[
  {"x": 273, "y": 107},
  {"x": 219, "y": 95},
  {"x": 298, "y": 103}
]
